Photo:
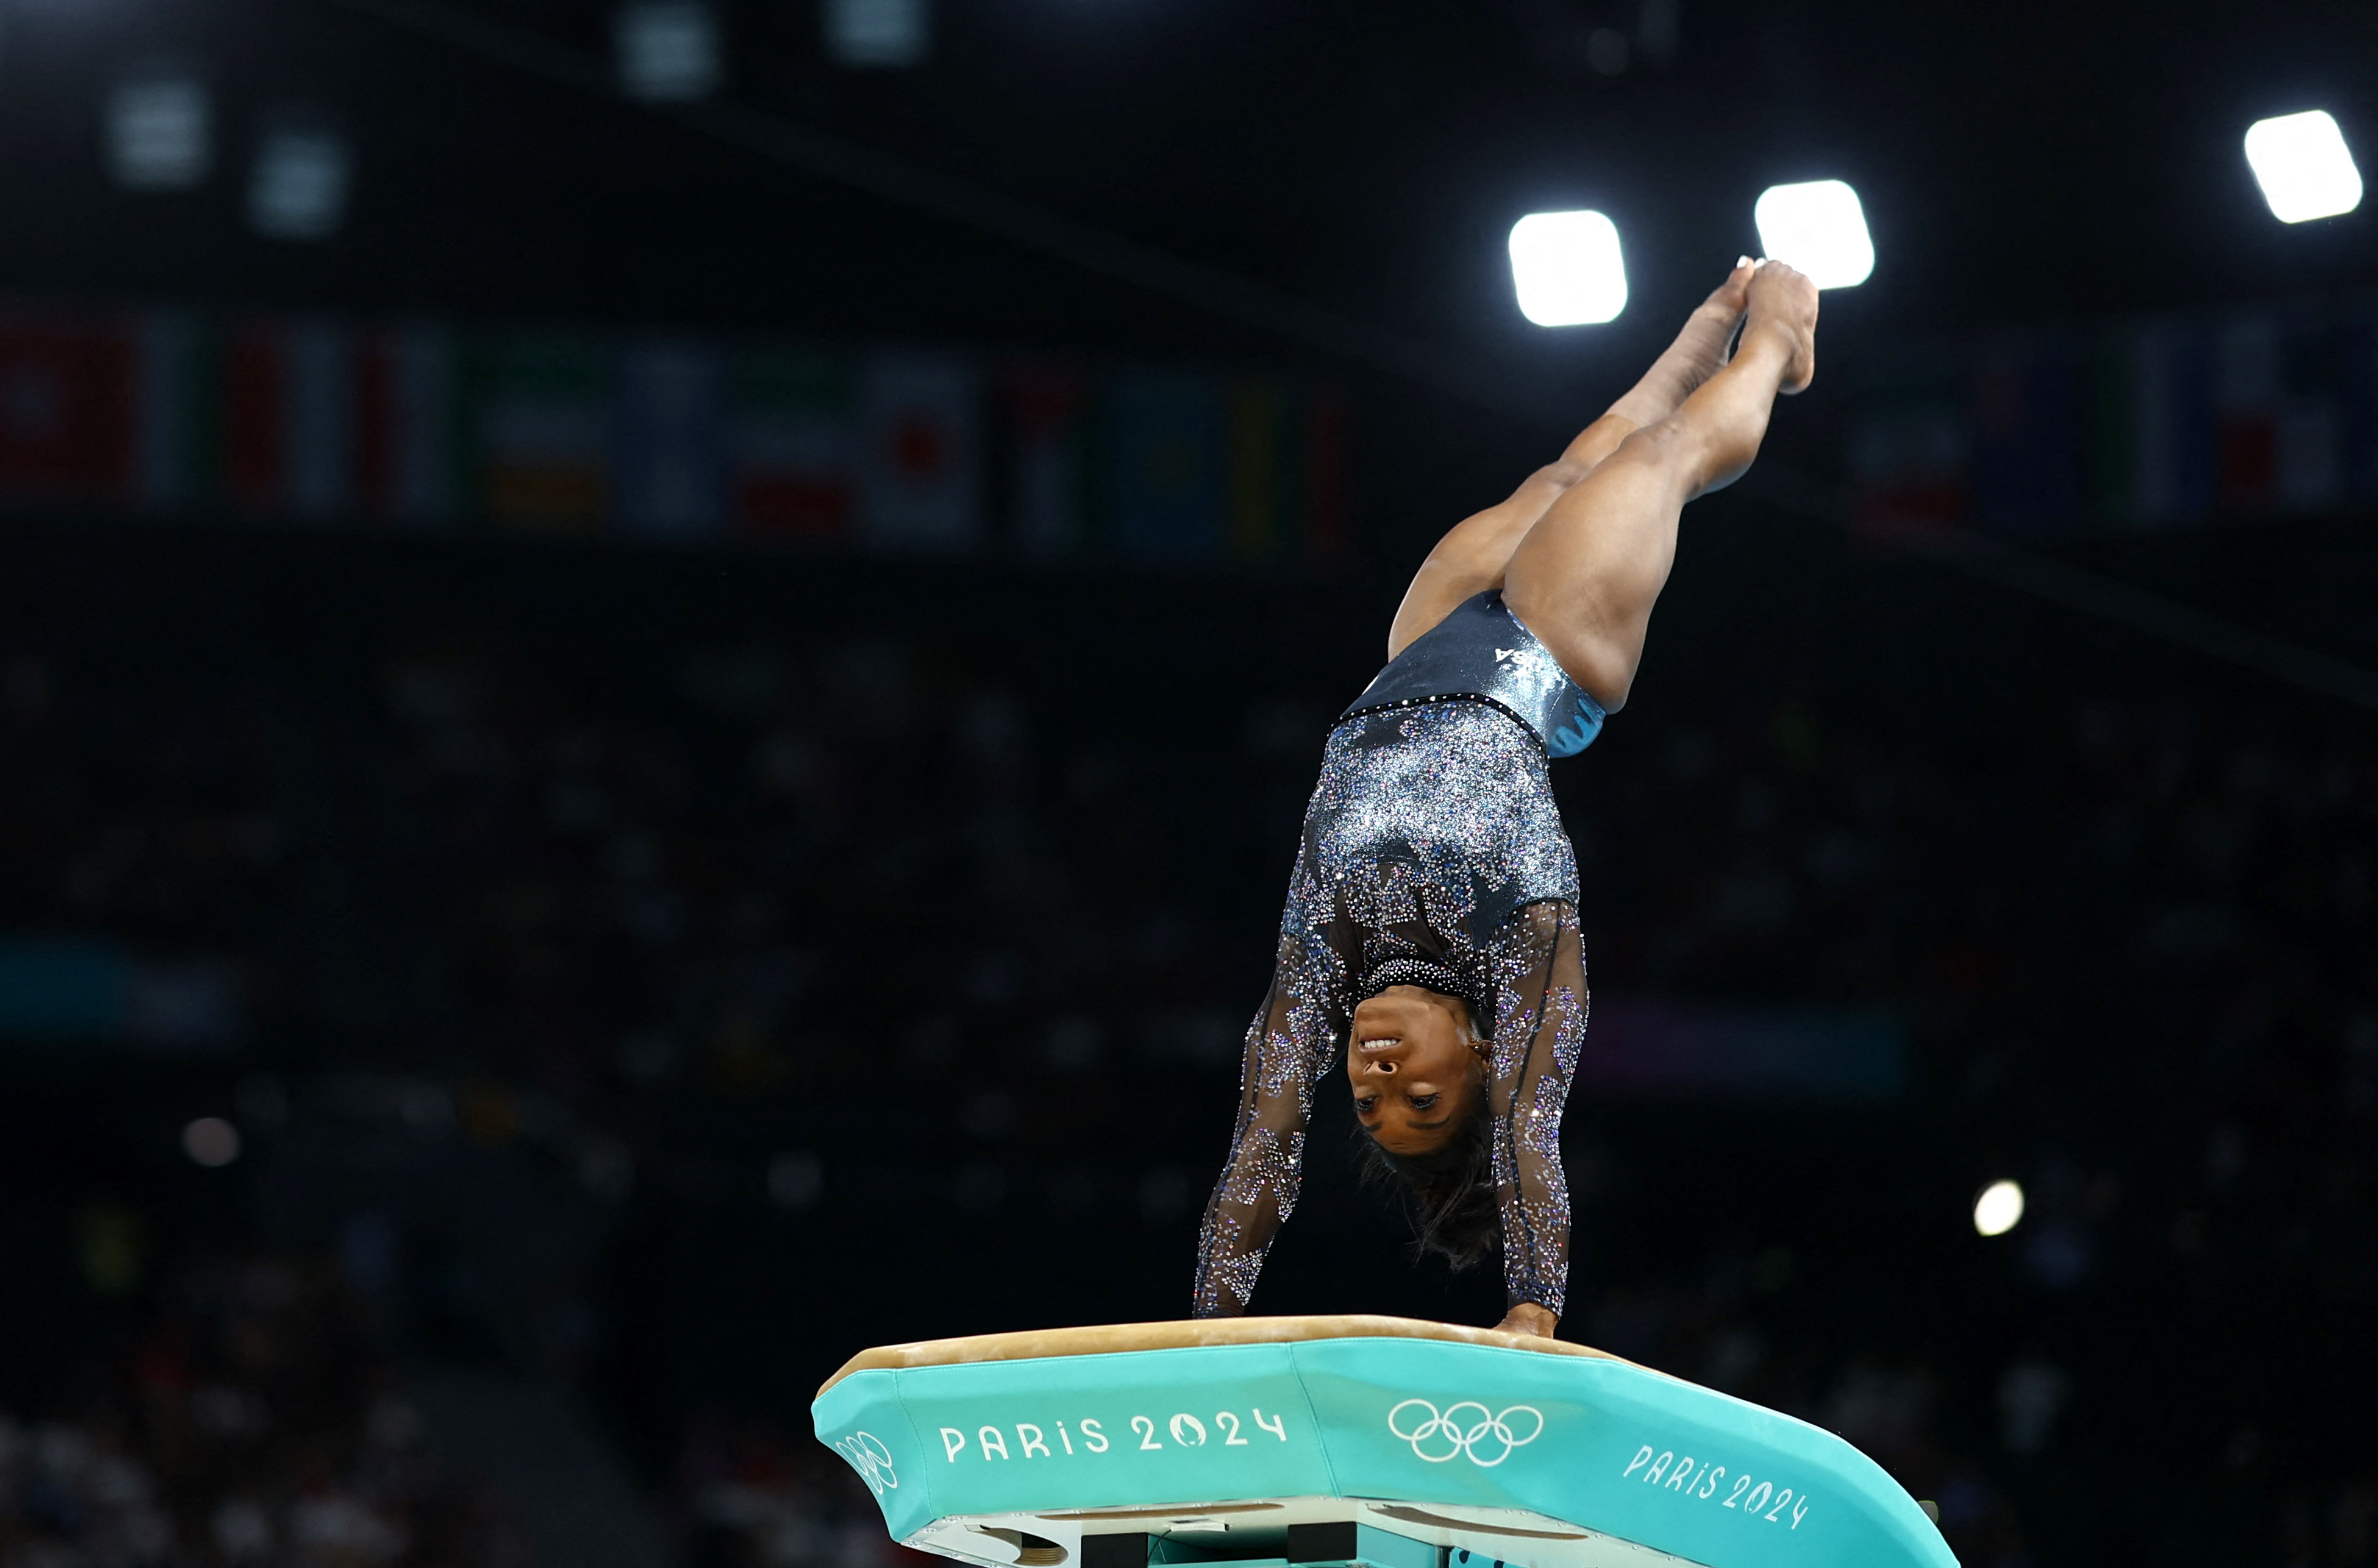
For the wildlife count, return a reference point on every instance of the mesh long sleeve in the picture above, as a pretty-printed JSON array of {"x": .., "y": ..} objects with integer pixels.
[
  {"x": 1292, "y": 1040},
  {"x": 1536, "y": 965}
]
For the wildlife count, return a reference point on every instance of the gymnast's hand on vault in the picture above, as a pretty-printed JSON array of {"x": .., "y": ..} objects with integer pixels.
[{"x": 1528, "y": 1318}]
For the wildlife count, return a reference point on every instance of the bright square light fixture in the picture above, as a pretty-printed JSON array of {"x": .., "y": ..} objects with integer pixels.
[
  {"x": 1818, "y": 227},
  {"x": 668, "y": 51},
  {"x": 1566, "y": 268},
  {"x": 298, "y": 187},
  {"x": 159, "y": 132},
  {"x": 2304, "y": 167},
  {"x": 878, "y": 33}
]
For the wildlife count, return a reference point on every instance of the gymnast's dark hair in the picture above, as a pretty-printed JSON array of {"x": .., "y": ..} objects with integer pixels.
[{"x": 1449, "y": 1193}]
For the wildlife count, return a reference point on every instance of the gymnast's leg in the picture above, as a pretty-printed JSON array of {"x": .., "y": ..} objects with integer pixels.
[
  {"x": 1470, "y": 559},
  {"x": 1585, "y": 578}
]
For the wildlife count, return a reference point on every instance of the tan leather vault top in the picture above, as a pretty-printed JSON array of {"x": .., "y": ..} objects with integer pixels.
[{"x": 1108, "y": 1339}]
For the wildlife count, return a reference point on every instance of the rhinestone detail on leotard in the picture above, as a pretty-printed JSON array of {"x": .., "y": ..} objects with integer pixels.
[{"x": 1432, "y": 835}]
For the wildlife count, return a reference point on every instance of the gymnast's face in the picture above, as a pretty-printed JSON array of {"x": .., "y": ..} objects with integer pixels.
[{"x": 1416, "y": 1067}]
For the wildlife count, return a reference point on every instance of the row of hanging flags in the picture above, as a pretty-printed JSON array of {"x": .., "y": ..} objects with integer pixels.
[
  {"x": 2124, "y": 426},
  {"x": 662, "y": 437}
]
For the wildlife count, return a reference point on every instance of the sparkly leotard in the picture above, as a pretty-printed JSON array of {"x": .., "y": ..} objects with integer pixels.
[{"x": 1432, "y": 844}]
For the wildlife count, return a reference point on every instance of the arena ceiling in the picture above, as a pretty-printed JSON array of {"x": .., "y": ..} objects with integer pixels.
[{"x": 2018, "y": 162}]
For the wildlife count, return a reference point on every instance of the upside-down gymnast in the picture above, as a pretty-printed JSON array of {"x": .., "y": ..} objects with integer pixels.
[{"x": 1432, "y": 913}]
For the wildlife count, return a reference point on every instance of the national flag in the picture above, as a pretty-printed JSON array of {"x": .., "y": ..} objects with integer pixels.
[
  {"x": 408, "y": 427},
  {"x": 2027, "y": 428},
  {"x": 1266, "y": 449},
  {"x": 290, "y": 419},
  {"x": 671, "y": 462},
  {"x": 2323, "y": 384},
  {"x": 65, "y": 410},
  {"x": 791, "y": 439},
  {"x": 1910, "y": 438},
  {"x": 1285, "y": 487},
  {"x": 1047, "y": 412},
  {"x": 1169, "y": 458},
  {"x": 2289, "y": 415},
  {"x": 2151, "y": 425},
  {"x": 1907, "y": 461},
  {"x": 255, "y": 392},
  {"x": 545, "y": 431},
  {"x": 177, "y": 411},
  {"x": 2358, "y": 390},
  {"x": 920, "y": 465},
  {"x": 2246, "y": 414},
  {"x": 322, "y": 415}
]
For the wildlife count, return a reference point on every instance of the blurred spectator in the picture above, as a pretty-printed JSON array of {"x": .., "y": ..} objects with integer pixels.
[
  {"x": 782, "y": 947},
  {"x": 249, "y": 1426}
]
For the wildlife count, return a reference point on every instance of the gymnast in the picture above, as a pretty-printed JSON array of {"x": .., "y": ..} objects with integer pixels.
[{"x": 1432, "y": 913}]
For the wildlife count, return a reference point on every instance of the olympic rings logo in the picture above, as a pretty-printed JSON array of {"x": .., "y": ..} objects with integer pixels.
[
  {"x": 1486, "y": 1437},
  {"x": 870, "y": 1459}
]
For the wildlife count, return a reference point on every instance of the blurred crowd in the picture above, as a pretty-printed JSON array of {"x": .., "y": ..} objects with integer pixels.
[
  {"x": 142, "y": 806},
  {"x": 834, "y": 931},
  {"x": 749, "y": 1494},
  {"x": 250, "y": 1425},
  {"x": 841, "y": 865}
]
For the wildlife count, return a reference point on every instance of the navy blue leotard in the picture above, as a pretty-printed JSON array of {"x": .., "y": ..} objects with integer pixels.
[{"x": 1432, "y": 846}]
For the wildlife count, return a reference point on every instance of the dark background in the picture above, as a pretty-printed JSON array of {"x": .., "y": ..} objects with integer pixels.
[{"x": 668, "y": 970}]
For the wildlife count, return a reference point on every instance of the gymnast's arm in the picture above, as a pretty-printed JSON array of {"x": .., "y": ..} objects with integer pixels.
[
  {"x": 1538, "y": 972},
  {"x": 1288, "y": 1046}
]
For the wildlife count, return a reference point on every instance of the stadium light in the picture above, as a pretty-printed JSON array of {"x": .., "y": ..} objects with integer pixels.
[
  {"x": 298, "y": 187},
  {"x": 1998, "y": 1209},
  {"x": 1818, "y": 227},
  {"x": 668, "y": 51},
  {"x": 878, "y": 32},
  {"x": 1566, "y": 268},
  {"x": 211, "y": 1142},
  {"x": 160, "y": 131},
  {"x": 2304, "y": 167}
]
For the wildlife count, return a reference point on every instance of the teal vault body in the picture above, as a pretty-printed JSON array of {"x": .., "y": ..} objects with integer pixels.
[{"x": 1349, "y": 1447}]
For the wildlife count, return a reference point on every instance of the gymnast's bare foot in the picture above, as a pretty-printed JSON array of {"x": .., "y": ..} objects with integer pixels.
[
  {"x": 1709, "y": 328},
  {"x": 1528, "y": 1318},
  {"x": 1732, "y": 297},
  {"x": 1697, "y": 353},
  {"x": 1782, "y": 307}
]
